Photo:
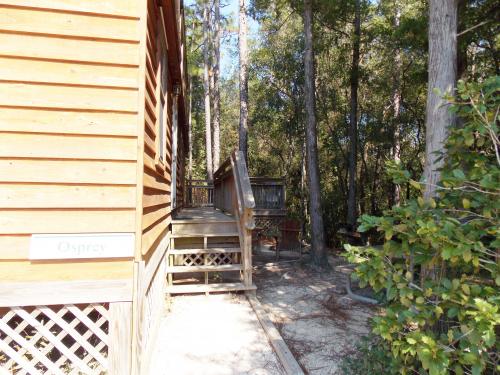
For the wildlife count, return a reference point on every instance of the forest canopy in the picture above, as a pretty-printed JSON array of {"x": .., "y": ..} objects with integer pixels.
[
  {"x": 391, "y": 99},
  {"x": 382, "y": 117}
]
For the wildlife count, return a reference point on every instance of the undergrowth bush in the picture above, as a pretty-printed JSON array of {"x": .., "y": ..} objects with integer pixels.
[
  {"x": 371, "y": 357},
  {"x": 440, "y": 261}
]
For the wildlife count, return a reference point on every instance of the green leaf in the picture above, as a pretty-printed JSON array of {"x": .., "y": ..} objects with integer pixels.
[
  {"x": 388, "y": 234},
  {"x": 453, "y": 312},
  {"x": 458, "y": 370},
  {"x": 476, "y": 370},
  {"x": 469, "y": 140},
  {"x": 432, "y": 203},
  {"x": 467, "y": 255},
  {"x": 466, "y": 289},
  {"x": 447, "y": 252},
  {"x": 466, "y": 203},
  {"x": 438, "y": 311},
  {"x": 459, "y": 174},
  {"x": 416, "y": 184}
]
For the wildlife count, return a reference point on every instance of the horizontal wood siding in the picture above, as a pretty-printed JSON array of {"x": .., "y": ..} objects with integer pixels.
[
  {"x": 50, "y": 48},
  {"x": 69, "y": 79},
  {"x": 12, "y": 271},
  {"x": 45, "y": 120},
  {"x": 156, "y": 193},
  {"x": 114, "y": 8}
]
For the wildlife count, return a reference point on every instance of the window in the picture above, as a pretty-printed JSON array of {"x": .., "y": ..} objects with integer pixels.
[
  {"x": 161, "y": 130},
  {"x": 162, "y": 92}
]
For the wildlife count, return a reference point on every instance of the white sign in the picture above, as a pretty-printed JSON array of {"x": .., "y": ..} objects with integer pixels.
[{"x": 82, "y": 246}]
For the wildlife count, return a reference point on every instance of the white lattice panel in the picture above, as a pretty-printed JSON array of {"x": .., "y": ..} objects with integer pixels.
[
  {"x": 193, "y": 260},
  {"x": 210, "y": 259},
  {"x": 68, "y": 339},
  {"x": 219, "y": 259}
]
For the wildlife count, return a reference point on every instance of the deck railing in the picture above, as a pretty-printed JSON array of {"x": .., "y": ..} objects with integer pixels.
[
  {"x": 269, "y": 193},
  {"x": 200, "y": 193},
  {"x": 270, "y": 208},
  {"x": 233, "y": 194}
]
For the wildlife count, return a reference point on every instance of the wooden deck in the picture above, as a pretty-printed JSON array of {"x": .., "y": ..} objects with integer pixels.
[
  {"x": 201, "y": 214},
  {"x": 211, "y": 243}
]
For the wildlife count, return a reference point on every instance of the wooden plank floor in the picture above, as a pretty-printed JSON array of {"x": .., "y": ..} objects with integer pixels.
[{"x": 201, "y": 214}]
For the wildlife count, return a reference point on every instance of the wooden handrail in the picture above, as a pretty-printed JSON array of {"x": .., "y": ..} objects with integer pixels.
[
  {"x": 233, "y": 194},
  {"x": 244, "y": 180}
]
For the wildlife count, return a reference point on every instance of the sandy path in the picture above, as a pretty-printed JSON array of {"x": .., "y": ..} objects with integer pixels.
[
  {"x": 319, "y": 325},
  {"x": 214, "y": 335}
]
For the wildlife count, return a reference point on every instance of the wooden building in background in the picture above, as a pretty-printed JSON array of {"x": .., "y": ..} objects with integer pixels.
[{"x": 93, "y": 134}]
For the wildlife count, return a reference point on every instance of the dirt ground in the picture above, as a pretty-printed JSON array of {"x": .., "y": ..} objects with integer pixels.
[
  {"x": 319, "y": 323},
  {"x": 212, "y": 335},
  {"x": 220, "y": 334}
]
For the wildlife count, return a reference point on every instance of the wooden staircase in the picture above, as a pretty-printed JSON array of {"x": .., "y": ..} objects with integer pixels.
[
  {"x": 210, "y": 249},
  {"x": 205, "y": 255}
]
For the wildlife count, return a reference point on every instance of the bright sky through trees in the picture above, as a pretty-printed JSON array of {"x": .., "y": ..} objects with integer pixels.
[{"x": 229, "y": 42}]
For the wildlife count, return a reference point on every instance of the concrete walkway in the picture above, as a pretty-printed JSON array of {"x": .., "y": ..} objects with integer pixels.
[{"x": 212, "y": 335}]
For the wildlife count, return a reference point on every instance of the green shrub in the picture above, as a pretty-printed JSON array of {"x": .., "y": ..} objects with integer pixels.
[
  {"x": 371, "y": 357},
  {"x": 440, "y": 261}
]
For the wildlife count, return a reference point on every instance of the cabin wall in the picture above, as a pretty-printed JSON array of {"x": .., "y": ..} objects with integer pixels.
[
  {"x": 69, "y": 120},
  {"x": 156, "y": 213},
  {"x": 68, "y": 129},
  {"x": 78, "y": 155},
  {"x": 157, "y": 177}
]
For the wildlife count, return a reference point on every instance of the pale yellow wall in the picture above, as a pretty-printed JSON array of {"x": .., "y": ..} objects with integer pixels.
[{"x": 69, "y": 122}]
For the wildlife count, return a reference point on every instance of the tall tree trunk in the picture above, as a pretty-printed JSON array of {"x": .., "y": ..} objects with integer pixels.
[
  {"x": 353, "y": 120},
  {"x": 216, "y": 93},
  {"x": 318, "y": 250},
  {"x": 462, "y": 42},
  {"x": 211, "y": 74},
  {"x": 243, "y": 31},
  {"x": 396, "y": 101},
  {"x": 303, "y": 195},
  {"x": 206, "y": 86},
  {"x": 375, "y": 183},
  {"x": 364, "y": 177},
  {"x": 190, "y": 133},
  {"x": 442, "y": 75}
]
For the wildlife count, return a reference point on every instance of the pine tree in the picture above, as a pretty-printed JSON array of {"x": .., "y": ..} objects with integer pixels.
[
  {"x": 243, "y": 128},
  {"x": 318, "y": 249}
]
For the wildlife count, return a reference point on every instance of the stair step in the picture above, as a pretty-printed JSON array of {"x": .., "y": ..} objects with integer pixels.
[
  {"x": 212, "y": 250},
  {"x": 203, "y": 288},
  {"x": 184, "y": 269},
  {"x": 203, "y": 221},
  {"x": 201, "y": 235}
]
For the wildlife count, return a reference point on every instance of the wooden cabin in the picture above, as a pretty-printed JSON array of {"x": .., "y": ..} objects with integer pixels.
[
  {"x": 93, "y": 232},
  {"x": 93, "y": 133}
]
